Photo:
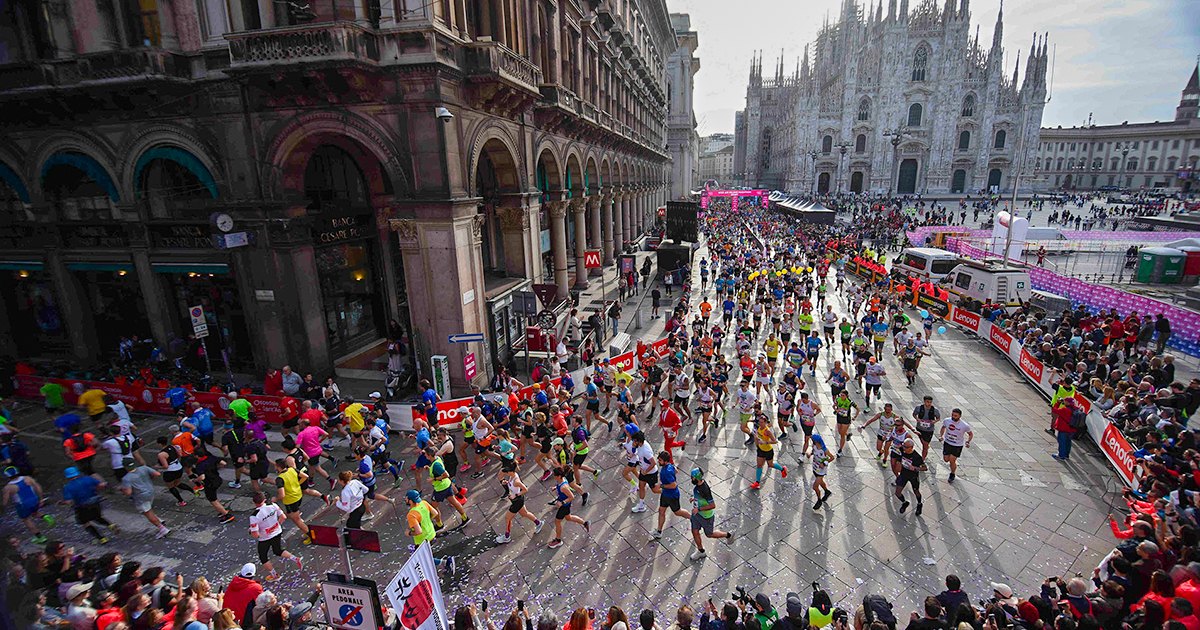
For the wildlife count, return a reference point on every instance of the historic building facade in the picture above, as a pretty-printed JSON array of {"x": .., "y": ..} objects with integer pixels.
[
  {"x": 682, "y": 140},
  {"x": 718, "y": 166},
  {"x": 905, "y": 101},
  {"x": 308, "y": 175},
  {"x": 1135, "y": 156}
]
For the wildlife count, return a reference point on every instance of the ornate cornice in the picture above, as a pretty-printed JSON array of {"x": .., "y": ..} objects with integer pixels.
[
  {"x": 557, "y": 209},
  {"x": 513, "y": 219}
]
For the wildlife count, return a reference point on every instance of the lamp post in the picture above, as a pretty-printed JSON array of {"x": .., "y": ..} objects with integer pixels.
[
  {"x": 896, "y": 137},
  {"x": 1124, "y": 163},
  {"x": 812, "y": 186},
  {"x": 843, "y": 147}
]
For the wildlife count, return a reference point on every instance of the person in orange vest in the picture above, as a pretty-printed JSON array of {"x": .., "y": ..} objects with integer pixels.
[{"x": 81, "y": 448}]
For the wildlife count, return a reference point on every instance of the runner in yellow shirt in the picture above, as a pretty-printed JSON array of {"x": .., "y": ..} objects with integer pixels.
[
  {"x": 93, "y": 401},
  {"x": 773, "y": 346}
]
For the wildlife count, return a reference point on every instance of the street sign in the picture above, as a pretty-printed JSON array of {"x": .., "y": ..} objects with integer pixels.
[
  {"x": 592, "y": 259},
  {"x": 199, "y": 323},
  {"x": 350, "y": 606},
  {"x": 466, "y": 337},
  {"x": 469, "y": 365},
  {"x": 546, "y": 320},
  {"x": 546, "y": 293}
]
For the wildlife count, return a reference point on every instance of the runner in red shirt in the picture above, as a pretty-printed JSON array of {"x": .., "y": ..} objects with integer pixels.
[{"x": 669, "y": 421}]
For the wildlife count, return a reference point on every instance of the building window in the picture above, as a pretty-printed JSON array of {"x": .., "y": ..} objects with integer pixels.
[
  {"x": 1171, "y": 162},
  {"x": 1070, "y": 163},
  {"x": 1060, "y": 164},
  {"x": 920, "y": 60},
  {"x": 1072, "y": 146},
  {"x": 1000, "y": 137},
  {"x": 1097, "y": 164},
  {"x": 1131, "y": 165},
  {"x": 964, "y": 140},
  {"x": 1135, "y": 145},
  {"x": 1151, "y": 163},
  {"x": 142, "y": 23},
  {"x": 1154, "y": 145},
  {"x": 1037, "y": 164},
  {"x": 1148, "y": 180},
  {"x": 1061, "y": 146},
  {"x": 1175, "y": 144},
  {"x": 826, "y": 144},
  {"x": 864, "y": 109},
  {"x": 968, "y": 109},
  {"x": 914, "y": 115},
  {"x": 860, "y": 143}
]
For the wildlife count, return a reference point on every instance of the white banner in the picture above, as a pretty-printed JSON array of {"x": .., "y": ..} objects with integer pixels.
[{"x": 416, "y": 594}]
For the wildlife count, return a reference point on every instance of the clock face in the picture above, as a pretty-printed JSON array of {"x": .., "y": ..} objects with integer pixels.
[{"x": 224, "y": 222}]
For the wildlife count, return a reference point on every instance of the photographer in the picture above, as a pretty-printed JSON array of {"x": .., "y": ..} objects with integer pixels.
[
  {"x": 760, "y": 609},
  {"x": 727, "y": 621}
]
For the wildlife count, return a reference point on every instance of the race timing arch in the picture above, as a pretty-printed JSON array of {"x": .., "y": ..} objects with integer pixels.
[{"x": 735, "y": 195}]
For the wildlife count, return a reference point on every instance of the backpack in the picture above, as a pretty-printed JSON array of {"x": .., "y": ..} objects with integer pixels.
[
  {"x": 876, "y": 607},
  {"x": 1078, "y": 419}
]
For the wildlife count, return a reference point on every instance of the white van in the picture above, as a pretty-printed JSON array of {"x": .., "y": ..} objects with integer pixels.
[
  {"x": 927, "y": 263},
  {"x": 990, "y": 281}
]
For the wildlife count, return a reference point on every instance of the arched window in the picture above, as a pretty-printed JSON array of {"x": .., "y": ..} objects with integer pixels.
[
  {"x": 968, "y": 109},
  {"x": 914, "y": 115},
  {"x": 1001, "y": 136},
  {"x": 964, "y": 140},
  {"x": 864, "y": 109},
  {"x": 860, "y": 143},
  {"x": 920, "y": 60},
  {"x": 1060, "y": 164},
  {"x": 1116, "y": 164},
  {"x": 1070, "y": 163},
  {"x": 826, "y": 144},
  {"x": 1151, "y": 163},
  {"x": 333, "y": 180}
]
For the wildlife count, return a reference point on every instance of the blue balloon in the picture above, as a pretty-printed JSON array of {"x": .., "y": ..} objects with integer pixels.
[
  {"x": 941, "y": 330},
  {"x": 924, "y": 314}
]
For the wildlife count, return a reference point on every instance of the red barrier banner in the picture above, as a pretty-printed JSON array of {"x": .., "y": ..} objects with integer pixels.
[
  {"x": 1000, "y": 338},
  {"x": 448, "y": 409},
  {"x": 966, "y": 319},
  {"x": 1117, "y": 448},
  {"x": 623, "y": 362},
  {"x": 150, "y": 399},
  {"x": 1031, "y": 366},
  {"x": 1083, "y": 402}
]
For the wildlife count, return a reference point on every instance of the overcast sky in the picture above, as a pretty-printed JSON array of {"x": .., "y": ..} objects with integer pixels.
[{"x": 1116, "y": 59}]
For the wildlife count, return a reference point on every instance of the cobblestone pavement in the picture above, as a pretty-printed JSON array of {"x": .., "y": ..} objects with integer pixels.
[{"x": 1013, "y": 515}]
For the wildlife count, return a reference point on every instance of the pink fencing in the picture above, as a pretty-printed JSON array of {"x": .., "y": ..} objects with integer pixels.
[
  {"x": 917, "y": 236},
  {"x": 1185, "y": 324}
]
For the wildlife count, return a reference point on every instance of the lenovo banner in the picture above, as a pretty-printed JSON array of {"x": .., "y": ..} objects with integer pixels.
[
  {"x": 1031, "y": 366},
  {"x": 1116, "y": 448},
  {"x": 1000, "y": 339},
  {"x": 966, "y": 319}
]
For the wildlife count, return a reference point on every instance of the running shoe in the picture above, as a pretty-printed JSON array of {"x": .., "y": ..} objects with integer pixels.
[
  {"x": 39, "y": 539},
  {"x": 274, "y": 577},
  {"x": 903, "y": 507},
  {"x": 610, "y": 426},
  {"x": 783, "y": 472},
  {"x": 114, "y": 529},
  {"x": 545, "y": 476},
  {"x": 464, "y": 468},
  {"x": 595, "y": 473},
  {"x": 162, "y": 532},
  {"x": 917, "y": 512},
  {"x": 327, "y": 500},
  {"x": 756, "y": 485},
  {"x": 555, "y": 544},
  {"x": 817, "y": 505},
  {"x": 451, "y": 565},
  {"x": 950, "y": 478},
  {"x": 299, "y": 563},
  {"x": 181, "y": 503},
  {"x": 465, "y": 520},
  {"x": 101, "y": 541},
  {"x": 503, "y": 538},
  {"x": 698, "y": 554},
  {"x": 521, "y": 460},
  {"x": 477, "y": 474},
  {"x": 587, "y": 527},
  {"x": 702, "y": 438},
  {"x": 367, "y": 517},
  {"x": 399, "y": 480},
  {"x": 639, "y": 508},
  {"x": 48, "y": 520},
  {"x": 234, "y": 484},
  {"x": 655, "y": 534},
  {"x": 585, "y": 499},
  {"x": 227, "y": 517},
  {"x": 537, "y": 527}
]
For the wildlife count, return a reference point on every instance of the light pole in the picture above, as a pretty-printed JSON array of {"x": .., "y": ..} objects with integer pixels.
[
  {"x": 812, "y": 186},
  {"x": 1124, "y": 164},
  {"x": 897, "y": 136},
  {"x": 842, "y": 147}
]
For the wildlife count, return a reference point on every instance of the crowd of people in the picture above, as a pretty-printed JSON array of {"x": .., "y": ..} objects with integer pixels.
[{"x": 764, "y": 319}]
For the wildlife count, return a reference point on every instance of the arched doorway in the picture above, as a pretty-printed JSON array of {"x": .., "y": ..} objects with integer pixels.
[
  {"x": 823, "y": 183},
  {"x": 78, "y": 187},
  {"x": 495, "y": 174},
  {"x": 906, "y": 182},
  {"x": 1067, "y": 182},
  {"x": 167, "y": 174},
  {"x": 856, "y": 182},
  {"x": 347, "y": 262},
  {"x": 958, "y": 183},
  {"x": 548, "y": 178},
  {"x": 993, "y": 179}
]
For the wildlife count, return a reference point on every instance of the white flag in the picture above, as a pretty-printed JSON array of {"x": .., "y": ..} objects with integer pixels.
[{"x": 416, "y": 594}]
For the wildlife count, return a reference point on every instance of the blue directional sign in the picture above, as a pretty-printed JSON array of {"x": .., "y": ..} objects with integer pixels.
[{"x": 466, "y": 337}]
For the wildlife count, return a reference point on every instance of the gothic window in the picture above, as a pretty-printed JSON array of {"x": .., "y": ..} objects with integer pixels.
[
  {"x": 1116, "y": 164},
  {"x": 914, "y": 115},
  {"x": 964, "y": 141},
  {"x": 1151, "y": 164},
  {"x": 864, "y": 109},
  {"x": 968, "y": 109},
  {"x": 1001, "y": 136},
  {"x": 920, "y": 60},
  {"x": 860, "y": 143},
  {"x": 826, "y": 144}
]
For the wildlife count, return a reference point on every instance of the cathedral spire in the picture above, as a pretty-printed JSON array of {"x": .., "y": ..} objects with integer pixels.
[
  {"x": 891, "y": 10},
  {"x": 879, "y": 12},
  {"x": 1189, "y": 105},
  {"x": 903, "y": 10},
  {"x": 964, "y": 9},
  {"x": 948, "y": 11},
  {"x": 998, "y": 34},
  {"x": 1015, "y": 66}
]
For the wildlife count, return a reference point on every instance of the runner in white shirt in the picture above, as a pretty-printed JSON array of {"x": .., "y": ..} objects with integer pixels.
[
  {"x": 119, "y": 447},
  {"x": 958, "y": 435},
  {"x": 266, "y": 526},
  {"x": 708, "y": 397},
  {"x": 352, "y": 498},
  {"x": 886, "y": 418},
  {"x": 745, "y": 403},
  {"x": 820, "y": 466},
  {"x": 647, "y": 470},
  {"x": 830, "y": 321},
  {"x": 631, "y": 458},
  {"x": 123, "y": 420}
]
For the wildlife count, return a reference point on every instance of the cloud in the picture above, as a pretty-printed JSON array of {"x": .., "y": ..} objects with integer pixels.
[{"x": 1117, "y": 59}]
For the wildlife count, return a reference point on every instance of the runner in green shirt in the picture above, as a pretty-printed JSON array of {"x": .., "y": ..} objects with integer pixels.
[
  {"x": 54, "y": 395},
  {"x": 703, "y": 514}
]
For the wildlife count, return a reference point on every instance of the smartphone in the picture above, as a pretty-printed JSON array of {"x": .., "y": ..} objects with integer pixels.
[
  {"x": 591, "y": 613},
  {"x": 520, "y": 604},
  {"x": 483, "y": 605}
]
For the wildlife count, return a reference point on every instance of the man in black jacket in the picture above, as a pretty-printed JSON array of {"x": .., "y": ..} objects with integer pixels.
[
  {"x": 1163, "y": 328},
  {"x": 932, "y": 619}
]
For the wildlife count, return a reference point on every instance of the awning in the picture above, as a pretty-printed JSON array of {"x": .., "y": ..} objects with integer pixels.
[
  {"x": 87, "y": 266},
  {"x": 21, "y": 265},
  {"x": 190, "y": 267}
]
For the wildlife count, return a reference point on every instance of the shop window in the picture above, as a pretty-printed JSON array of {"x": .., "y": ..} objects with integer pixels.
[
  {"x": 28, "y": 298},
  {"x": 77, "y": 187},
  {"x": 352, "y": 300}
]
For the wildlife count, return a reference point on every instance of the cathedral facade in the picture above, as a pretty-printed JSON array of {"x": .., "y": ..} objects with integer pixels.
[{"x": 905, "y": 102}]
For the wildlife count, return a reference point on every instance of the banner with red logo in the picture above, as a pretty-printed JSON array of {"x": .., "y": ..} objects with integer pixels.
[
  {"x": 1118, "y": 451},
  {"x": 966, "y": 319},
  {"x": 1000, "y": 339},
  {"x": 1031, "y": 366}
]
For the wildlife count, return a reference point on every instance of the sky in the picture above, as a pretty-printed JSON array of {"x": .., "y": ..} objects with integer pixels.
[{"x": 1117, "y": 60}]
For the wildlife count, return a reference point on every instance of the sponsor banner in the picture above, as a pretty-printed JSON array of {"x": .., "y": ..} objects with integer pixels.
[
  {"x": 966, "y": 319},
  {"x": 1118, "y": 451},
  {"x": 1083, "y": 402},
  {"x": 623, "y": 362},
  {"x": 149, "y": 399},
  {"x": 1000, "y": 339},
  {"x": 941, "y": 308},
  {"x": 447, "y": 410},
  {"x": 659, "y": 348},
  {"x": 1031, "y": 366}
]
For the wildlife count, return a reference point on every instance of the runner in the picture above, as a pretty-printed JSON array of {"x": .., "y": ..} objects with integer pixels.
[
  {"x": 80, "y": 494},
  {"x": 911, "y": 464},
  {"x": 630, "y": 472},
  {"x": 765, "y": 443},
  {"x": 703, "y": 515},
  {"x": 591, "y": 398},
  {"x": 820, "y": 466},
  {"x": 138, "y": 485},
  {"x": 829, "y": 319},
  {"x": 911, "y": 354},
  {"x": 516, "y": 503},
  {"x": 807, "y": 409},
  {"x": 562, "y": 502},
  {"x": 887, "y": 419},
  {"x": 289, "y": 482},
  {"x": 841, "y": 411},
  {"x": 669, "y": 498},
  {"x": 208, "y": 474},
  {"x": 366, "y": 475},
  {"x": 647, "y": 469},
  {"x": 874, "y": 375},
  {"x": 847, "y": 333},
  {"x": 26, "y": 496},
  {"x": 707, "y": 396},
  {"x": 746, "y": 401},
  {"x": 266, "y": 527},
  {"x": 785, "y": 404},
  {"x": 958, "y": 435},
  {"x": 442, "y": 484},
  {"x": 926, "y": 416},
  {"x": 420, "y": 526}
]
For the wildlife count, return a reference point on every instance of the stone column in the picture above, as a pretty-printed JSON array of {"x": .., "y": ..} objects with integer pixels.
[
  {"x": 579, "y": 207},
  {"x": 627, "y": 216},
  {"x": 514, "y": 225},
  {"x": 606, "y": 204},
  {"x": 73, "y": 308},
  {"x": 595, "y": 232},
  {"x": 618, "y": 202},
  {"x": 157, "y": 306},
  {"x": 558, "y": 243}
]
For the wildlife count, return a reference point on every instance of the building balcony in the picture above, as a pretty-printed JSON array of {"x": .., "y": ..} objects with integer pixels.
[
  {"x": 496, "y": 62},
  {"x": 309, "y": 43},
  {"x": 137, "y": 64}
]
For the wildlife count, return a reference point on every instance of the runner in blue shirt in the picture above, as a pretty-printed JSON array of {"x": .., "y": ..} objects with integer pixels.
[
  {"x": 25, "y": 494},
  {"x": 80, "y": 493},
  {"x": 177, "y": 396},
  {"x": 814, "y": 344},
  {"x": 429, "y": 400},
  {"x": 879, "y": 332},
  {"x": 200, "y": 424},
  {"x": 591, "y": 396},
  {"x": 669, "y": 499}
]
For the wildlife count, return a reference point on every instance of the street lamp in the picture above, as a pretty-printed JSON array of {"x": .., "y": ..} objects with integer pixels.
[
  {"x": 812, "y": 187},
  {"x": 897, "y": 136},
  {"x": 843, "y": 147}
]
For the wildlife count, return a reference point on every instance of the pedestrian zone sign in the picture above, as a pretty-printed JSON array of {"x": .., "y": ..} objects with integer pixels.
[{"x": 350, "y": 606}]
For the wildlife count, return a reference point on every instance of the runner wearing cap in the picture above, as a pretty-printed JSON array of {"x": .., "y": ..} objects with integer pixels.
[
  {"x": 561, "y": 459},
  {"x": 703, "y": 514},
  {"x": 629, "y": 473},
  {"x": 26, "y": 496},
  {"x": 420, "y": 525},
  {"x": 820, "y": 466},
  {"x": 80, "y": 494}
]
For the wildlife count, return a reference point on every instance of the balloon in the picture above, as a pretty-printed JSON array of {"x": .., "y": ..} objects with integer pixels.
[
  {"x": 808, "y": 269},
  {"x": 941, "y": 330},
  {"x": 924, "y": 314}
]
